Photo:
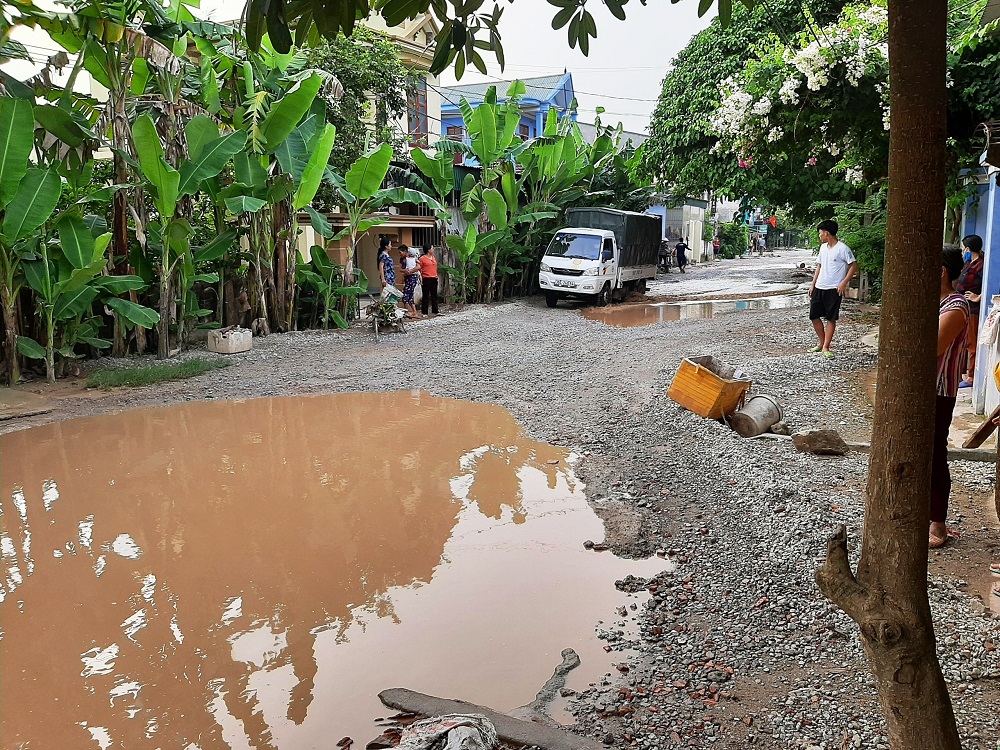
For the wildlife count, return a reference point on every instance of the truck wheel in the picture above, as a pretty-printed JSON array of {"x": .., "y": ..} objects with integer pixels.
[
  {"x": 642, "y": 287},
  {"x": 604, "y": 298},
  {"x": 551, "y": 299}
]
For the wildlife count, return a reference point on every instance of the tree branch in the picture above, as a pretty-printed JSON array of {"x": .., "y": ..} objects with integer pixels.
[{"x": 836, "y": 579}]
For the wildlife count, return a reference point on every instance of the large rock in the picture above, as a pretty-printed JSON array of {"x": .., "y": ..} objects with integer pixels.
[{"x": 820, "y": 442}]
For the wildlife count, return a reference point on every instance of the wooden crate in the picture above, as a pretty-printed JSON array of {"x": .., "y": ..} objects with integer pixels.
[{"x": 707, "y": 387}]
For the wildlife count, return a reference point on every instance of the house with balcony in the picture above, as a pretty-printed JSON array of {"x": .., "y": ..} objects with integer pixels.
[{"x": 542, "y": 95}]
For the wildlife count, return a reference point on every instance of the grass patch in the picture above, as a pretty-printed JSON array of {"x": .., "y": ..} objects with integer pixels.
[{"x": 112, "y": 377}]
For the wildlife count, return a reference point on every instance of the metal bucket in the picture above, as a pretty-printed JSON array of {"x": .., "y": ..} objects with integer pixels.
[{"x": 757, "y": 416}]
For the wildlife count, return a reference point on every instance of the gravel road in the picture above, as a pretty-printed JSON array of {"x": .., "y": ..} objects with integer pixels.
[{"x": 736, "y": 647}]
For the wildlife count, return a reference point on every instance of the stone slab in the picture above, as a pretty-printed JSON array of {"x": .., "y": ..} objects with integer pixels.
[
  {"x": 509, "y": 728},
  {"x": 15, "y": 404}
]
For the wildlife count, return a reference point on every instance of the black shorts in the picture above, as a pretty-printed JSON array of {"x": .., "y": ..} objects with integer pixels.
[{"x": 825, "y": 304}]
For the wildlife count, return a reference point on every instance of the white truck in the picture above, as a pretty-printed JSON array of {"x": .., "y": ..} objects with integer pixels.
[{"x": 601, "y": 256}]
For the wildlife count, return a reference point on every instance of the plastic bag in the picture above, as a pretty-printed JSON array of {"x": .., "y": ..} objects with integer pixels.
[{"x": 450, "y": 732}]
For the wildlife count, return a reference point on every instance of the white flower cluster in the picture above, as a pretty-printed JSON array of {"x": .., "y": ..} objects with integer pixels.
[
  {"x": 854, "y": 175},
  {"x": 874, "y": 16},
  {"x": 774, "y": 134},
  {"x": 814, "y": 65},
  {"x": 762, "y": 106},
  {"x": 789, "y": 93},
  {"x": 732, "y": 112}
]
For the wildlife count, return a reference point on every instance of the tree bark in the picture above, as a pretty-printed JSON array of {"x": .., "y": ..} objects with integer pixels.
[{"x": 888, "y": 595}]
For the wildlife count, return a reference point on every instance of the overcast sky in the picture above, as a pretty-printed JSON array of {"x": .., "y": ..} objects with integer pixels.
[
  {"x": 627, "y": 61},
  {"x": 623, "y": 73}
]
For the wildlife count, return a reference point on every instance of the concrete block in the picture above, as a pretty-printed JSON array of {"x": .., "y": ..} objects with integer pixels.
[{"x": 230, "y": 341}]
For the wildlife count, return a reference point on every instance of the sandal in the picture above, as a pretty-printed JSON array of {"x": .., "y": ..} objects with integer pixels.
[
  {"x": 827, "y": 355},
  {"x": 996, "y": 590},
  {"x": 995, "y": 568},
  {"x": 816, "y": 350},
  {"x": 937, "y": 542}
]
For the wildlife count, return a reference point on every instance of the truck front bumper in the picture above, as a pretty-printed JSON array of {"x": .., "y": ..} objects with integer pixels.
[{"x": 550, "y": 282}]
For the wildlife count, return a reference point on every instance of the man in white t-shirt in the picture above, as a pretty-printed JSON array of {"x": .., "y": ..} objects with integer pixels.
[{"x": 834, "y": 270}]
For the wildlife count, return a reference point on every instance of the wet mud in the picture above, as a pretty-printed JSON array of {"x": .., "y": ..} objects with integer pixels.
[
  {"x": 633, "y": 315},
  {"x": 251, "y": 573}
]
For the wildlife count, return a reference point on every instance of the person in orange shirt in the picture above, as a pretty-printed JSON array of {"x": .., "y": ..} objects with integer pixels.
[{"x": 428, "y": 280}]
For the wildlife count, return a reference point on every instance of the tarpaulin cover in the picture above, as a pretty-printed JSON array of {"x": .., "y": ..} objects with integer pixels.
[{"x": 637, "y": 235}]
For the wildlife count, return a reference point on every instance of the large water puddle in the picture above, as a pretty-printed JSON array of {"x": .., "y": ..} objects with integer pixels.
[
  {"x": 251, "y": 573},
  {"x": 632, "y": 315}
]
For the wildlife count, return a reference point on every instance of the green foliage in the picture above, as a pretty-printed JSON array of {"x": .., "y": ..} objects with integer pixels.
[
  {"x": 142, "y": 375},
  {"x": 679, "y": 156},
  {"x": 734, "y": 238},
  {"x": 375, "y": 84},
  {"x": 465, "y": 28}
]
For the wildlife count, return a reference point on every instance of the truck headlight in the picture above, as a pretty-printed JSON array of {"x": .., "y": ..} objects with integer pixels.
[
  {"x": 591, "y": 272},
  {"x": 545, "y": 267}
]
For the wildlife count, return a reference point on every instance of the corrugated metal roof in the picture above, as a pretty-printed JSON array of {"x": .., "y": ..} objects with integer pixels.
[
  {"x": 541, "y": 88},
  {"x": 589, "y": 133}
]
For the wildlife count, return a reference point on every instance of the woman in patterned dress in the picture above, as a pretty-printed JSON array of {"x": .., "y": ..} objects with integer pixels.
[
  {"x": 386, "y": 265},
  {"x": 411, "y": 277},
  {"x": 953, "y": 323}
]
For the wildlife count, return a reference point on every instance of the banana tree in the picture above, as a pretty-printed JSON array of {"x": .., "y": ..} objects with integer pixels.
[
  {"x": 327, "y": 279},
  {"x": 362, "y": 195},
  {"x": 28, "y": 196},
  {"x": 209, "y": 153},
  {"x": 62, "y": 274},
  {"x": 276, "y": 176}
]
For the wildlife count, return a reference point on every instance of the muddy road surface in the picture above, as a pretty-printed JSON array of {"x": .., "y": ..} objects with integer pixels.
[{"x": 731, "y": 645}]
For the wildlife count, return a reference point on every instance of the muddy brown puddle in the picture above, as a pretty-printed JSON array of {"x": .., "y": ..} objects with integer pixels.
[
  {"x": 632, "y": 315},
  {"x": 246, "y": 574}
]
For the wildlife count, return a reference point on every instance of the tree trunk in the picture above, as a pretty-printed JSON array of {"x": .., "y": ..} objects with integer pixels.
[
  {"x": 888, "y": 596},
  {"x": 163, "y": 327},
  {"x": 283, "y": 265},
  {"x": 10, "y": 329}
]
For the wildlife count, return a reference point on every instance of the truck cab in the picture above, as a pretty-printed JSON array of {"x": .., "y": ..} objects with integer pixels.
[{"x": 579, "y": 262}]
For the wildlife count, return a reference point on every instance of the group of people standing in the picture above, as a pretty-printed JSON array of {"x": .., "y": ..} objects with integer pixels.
[
  {"x": 422, "y": 270},
  {"x": 958, "y": 327}
]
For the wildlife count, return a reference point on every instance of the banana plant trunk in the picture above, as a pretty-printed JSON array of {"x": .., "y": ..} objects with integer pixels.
[
  {"x": 163, "y": 327},
  {"x": 119, "y": 211},
  {"x": 887, "y": 596},
  {"x": 284, "y": 266},
  {"x": 10, "y": 330}
]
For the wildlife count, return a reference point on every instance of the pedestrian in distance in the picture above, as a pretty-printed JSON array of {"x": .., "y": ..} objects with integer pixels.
[
  {"x": 663, "y": 257},
  {"x": 761, "y": 245},
  {"x": 428, "y": 280},
  {"x": 386, "y": 265},
  {"x": 681, "y": 249},
  {"x": 835, "y": 268},
  {"x": 716, "y": 245},
  {"x": 411, "y": 276},
  {"x": 953, "y": 324},
  {"x": 970, "y": 283}
]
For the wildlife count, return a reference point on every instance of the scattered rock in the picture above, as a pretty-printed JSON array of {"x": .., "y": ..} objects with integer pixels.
[
  {"x": 820, "y": 442},
  {"x": 780, "y": 428}
]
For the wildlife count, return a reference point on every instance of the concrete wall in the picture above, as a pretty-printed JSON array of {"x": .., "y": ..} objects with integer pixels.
[{"x": 982, "y": 217}]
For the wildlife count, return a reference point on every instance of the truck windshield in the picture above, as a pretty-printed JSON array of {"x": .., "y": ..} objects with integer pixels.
[{"x": 569, "y": 245}]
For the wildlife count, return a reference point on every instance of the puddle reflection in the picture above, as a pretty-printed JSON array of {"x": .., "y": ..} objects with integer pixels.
[{"x": 251, "y": 574}]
